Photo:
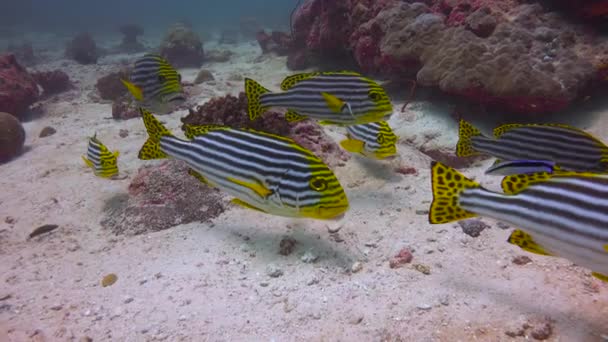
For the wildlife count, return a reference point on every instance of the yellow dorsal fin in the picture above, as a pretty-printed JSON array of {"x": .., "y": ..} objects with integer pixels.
[
  {"x": 136, "y": 91},
  {"x": 191, "y": 131},
  {"x": 500, "y": 130},
  {"x": 466, "y": 132},
  {"x": 333, "y": 103},
  {"x": 290, "y": 81},
  {"x": 447, "y": 185},
  {"x": 514, "y": 184},
  {"x": 259, "y": 189},
  {"x": 352, "y": 145},
  {"x": 526, "y": 242},
  {"x": 293, "y": 116},
  {"x": 245, "y": 205}
]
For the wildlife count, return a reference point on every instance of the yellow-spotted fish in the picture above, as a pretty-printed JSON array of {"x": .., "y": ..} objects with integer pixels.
[
  {"x": 561, "y": 214},
  {"x": 155, "y": 84},
  {"x": 373, "y": 140},
  {"x": 570, "y": 148},
  {"x": 100, "y": 159},
  {"x": 338, "y": 98},
  {"x": 265, "y": 172}
]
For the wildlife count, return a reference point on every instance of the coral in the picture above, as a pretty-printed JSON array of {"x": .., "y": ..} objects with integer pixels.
[
  {"x": 182, "y": 47},
  {"x": 110, "y": 87},
  {"x": 129, "y": 42},
  {"x": 82, "y": 49},
  {"x": 160, "y": 197},
  {"x": 53, "y": 82},
  {"x": 276, "y": 42},
  {"x": 203, "y": 75},
  {"x": 232, "y": 111},
  {"x": 12, "y": 137},
  {"x": 515, "y": 57},
  {"x": 18, "y": 90},
  {"x": 218, "y": 56}
]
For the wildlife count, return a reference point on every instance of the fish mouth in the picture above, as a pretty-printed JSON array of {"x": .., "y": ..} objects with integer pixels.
[{"x": 331, "y": 213}]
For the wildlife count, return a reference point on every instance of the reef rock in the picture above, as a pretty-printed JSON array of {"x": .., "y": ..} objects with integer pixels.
[
  {"x": 232, "y": 111},
  {"x": 514, "y": 57},
  {"x": 110, "y": 87},
  {"x": 203, "y": 76},
  {"x": 53, "y": 82},
  {"x": 276, "y": 42},
  {"x": 129, "y": 42},
  {"x": 12, "y": 137},
  {"x": 182, "y": 47},
  {"x": 18, "y": 89},
  {"x": 124, "y": 108},
  {"x": 82, "y": 49},
  {"x": 162, "y": 196}
]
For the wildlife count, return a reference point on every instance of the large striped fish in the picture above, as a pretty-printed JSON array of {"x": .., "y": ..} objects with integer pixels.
[
  {"x": 338, "y": 98},
  {"x": 570, "y": 148},
  {"x": 263, "y": 171},
  {"x": 374, "y": 140},
  {"x": 155, "y": 84},
  {"x": 563, "y": 214},
  {"x": 100, "y": 159}
]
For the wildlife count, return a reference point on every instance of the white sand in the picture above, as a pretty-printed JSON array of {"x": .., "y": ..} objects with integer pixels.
[{"x": 209, "y": 282}]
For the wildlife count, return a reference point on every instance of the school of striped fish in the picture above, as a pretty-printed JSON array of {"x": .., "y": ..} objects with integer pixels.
[{"x": 554, "y": 190}]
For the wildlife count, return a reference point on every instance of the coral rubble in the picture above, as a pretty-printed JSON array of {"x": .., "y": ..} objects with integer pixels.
[
  {"x": 12, "y": 136},
  {"x": 182, "y": 47},
  {"x": 53, "y": 82},
  {"x": 82, "y": 49},
  {"x": 18, "y": 89}
]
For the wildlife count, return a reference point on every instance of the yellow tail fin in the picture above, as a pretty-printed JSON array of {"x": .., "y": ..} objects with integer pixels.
[
  {"x": 254, "y": 91},
  {"x": 136, "y": 91},
  {"x": 447, "y": 185},
  {"x": 466, "y": 131},
  {"x": 156, "y": 130}
]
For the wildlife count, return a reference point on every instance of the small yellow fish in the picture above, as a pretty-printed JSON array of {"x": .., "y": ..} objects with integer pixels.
[
  {"x": 100, "y": 159},
  {"x": 374, "y": 140}
]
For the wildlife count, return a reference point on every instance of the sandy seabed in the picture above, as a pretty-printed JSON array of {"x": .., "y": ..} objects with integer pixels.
[{"x": 226, "y": 281}]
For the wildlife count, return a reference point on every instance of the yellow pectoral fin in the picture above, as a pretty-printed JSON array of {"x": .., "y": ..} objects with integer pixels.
[
  {"x": 88, "y": 162},
  {"x": 245, "y": 205},
  {"x": 333, "y": 103},
  {"x": 134, "y": 90},
  {"x": 600, "y": 276},
  {"x": 352, "y": 145},
  {"x": 526, "y": 242},
  {"x": 259, "y": 189}
]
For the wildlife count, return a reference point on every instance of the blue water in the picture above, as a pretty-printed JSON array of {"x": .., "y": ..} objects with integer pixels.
[{"x": 97, "y": 15}]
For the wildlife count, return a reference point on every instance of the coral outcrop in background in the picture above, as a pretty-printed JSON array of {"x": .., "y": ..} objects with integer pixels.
[
  {"x": 83, "y": 49},
  {"x": 18, "y": 89},
  {"x": 182, "y": 47},
  {"x": 518, "y": 57}
]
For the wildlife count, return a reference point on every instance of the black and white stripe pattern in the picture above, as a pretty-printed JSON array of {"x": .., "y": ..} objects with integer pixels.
[
  {"x": 157, "y": 78},
  {"x": 567, "y": 216},
  {"x": 305, "y": 98},
  {"x": 104, "y": 161},
  {"x": 571, "y": 149},
  {"x": 377, "y": 136},
  {"x": 278, "y": 164}
]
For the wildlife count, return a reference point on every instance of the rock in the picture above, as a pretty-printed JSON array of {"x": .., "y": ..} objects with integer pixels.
[
  {"x": 521, "y": 260},
  {"x": 12, "y": 137},
  {"x": 502, "y": 225},
  {"x": 110, "y": 86},
  {"x": 18, "y": 89},
  {"x": 235, "y": 77},
  {"x": 273, "y": 271},
  {"x": 424, "y": 307},
  {"x": 473, "y": 227},
  {"x": 82, "y": 49},
  {"x": 109, "y": 280},
  {"x": 45, "y": 228},
  {"x": 218, "y": 56},
  {"x": 287, "y": 246},
  {"x": 47, "y": 132},
  {"x": 182, "y": 47},
  {"x": 52, "y": 82},
  {"x": 159, "y": 197},
  {"x": 203, "y": 75},
  {"x": 334, "y": 228},
  {"x": 276, "y": 42},
  {"x": 404, "y": 256},
  {"x": 123, "y": 133},
  {"x": 444, "y": 300},
  {"x": 309, "y": 257},
  {"x": 125, "y": 108},
  {"x": 542, "y": 331},
  {"x": 356, "y": 320},
  {"x": 356, "y": 267}
]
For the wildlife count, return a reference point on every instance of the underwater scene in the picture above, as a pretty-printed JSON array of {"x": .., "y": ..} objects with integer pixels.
[{"x": 304, "y": 170}]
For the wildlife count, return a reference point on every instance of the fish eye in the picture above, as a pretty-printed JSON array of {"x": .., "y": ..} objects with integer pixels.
[
  {"x": 380, "y": 139},
  {"x": 318, "y": 184},
  {"x": 375, "y": 96},
  {"x": 161, "y": 78}
]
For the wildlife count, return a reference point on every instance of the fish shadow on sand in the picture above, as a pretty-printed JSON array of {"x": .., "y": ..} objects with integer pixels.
[
  {"x": 528, "y": 304},
  {"x": 383, "y": 170},
  {"x": 308, "y": 237}
]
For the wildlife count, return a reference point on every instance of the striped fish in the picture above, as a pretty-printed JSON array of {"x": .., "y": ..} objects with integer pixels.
[
  {"x": 339, "y": 98},
  {"x": 100, "y": 159},
  {"x": 263, "y": 171},
  {"x": 570, "y": 148},
  {"x": 374, "y": 140},
  {"x": 515, "y": 167},
  {"x": 563, "y": 214},
  {"x": 155, "y": 84}
]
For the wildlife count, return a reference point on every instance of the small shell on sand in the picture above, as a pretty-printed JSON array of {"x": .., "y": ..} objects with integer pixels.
[{"x": 109, "y": 280}]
